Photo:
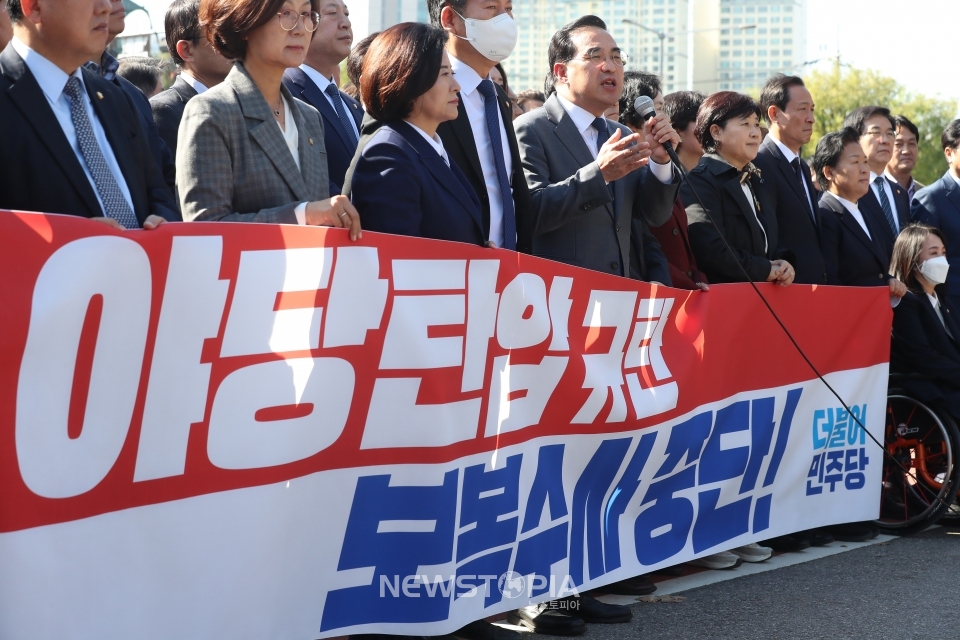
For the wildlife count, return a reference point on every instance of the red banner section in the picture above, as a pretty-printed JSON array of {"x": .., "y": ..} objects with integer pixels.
[{"x": 145, "y": 367}]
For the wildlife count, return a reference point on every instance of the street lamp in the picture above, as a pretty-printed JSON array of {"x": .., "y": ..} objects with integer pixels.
[{"x": 663, "y": 35}]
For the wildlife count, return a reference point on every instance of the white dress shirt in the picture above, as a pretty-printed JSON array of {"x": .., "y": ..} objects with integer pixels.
[
  {"x": 889, "y": 191},
  {"x": 53, "y": 81},
  {"x": 854, "y": 211},
  {"x": 435, "y": 142},
  {"x": 583, "y": 120},
  {"x": 789, "y": 156},
  {"x": 198, "y": 86},
  {"x": 469, "y": 80},
  {"x": 748, "y": 194},
  {"x": 323, "y": 82},
  {"x": 291, "y": 135}
]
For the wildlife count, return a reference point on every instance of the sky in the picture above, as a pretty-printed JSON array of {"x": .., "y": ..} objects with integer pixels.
[{"x": 911, "y": 41}]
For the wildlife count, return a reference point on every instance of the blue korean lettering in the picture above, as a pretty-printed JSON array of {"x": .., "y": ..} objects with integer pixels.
[
  {"x": 783, "y": 434},
  {"x": 839, "y": 435},
  {"x": 670, "y": 517},
  {"x": 761, "y": 437},
  {"x": 588, "y": 507},
  {"x": 621, "y": 496},
  {"x": 855, "y": 432},
  {"x": 686, "y": 441},
  {"x": 420, "y": 526},
  {"x": 816, "y": 471},
  {"x": 485, "y": 512},
  {"x": 822, "y": 426}
]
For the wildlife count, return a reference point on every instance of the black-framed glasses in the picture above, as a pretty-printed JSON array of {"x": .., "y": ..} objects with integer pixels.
[{"x": 290, "y": 19}]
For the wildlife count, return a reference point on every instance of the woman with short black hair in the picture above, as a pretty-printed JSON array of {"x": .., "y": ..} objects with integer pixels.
[
  {"x": 248, "y": 150},
  {"x": 733, "y": 205},
  {"x": 403, "y": 180}
]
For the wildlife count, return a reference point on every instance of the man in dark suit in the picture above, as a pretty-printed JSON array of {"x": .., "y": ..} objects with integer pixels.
[
  {"x": 586, "y": 173},
  {"x": 481, "y": 140},
  {"x": 201, "y": 68},
  {"x": 315, "y": 82},
  {"x": 788, "y": 107},
  {"x": 886, "y": 200},
  {"x": 106, "y": 65},
  {"x": 904, "y": 158},
  {"x": 939, "y": 206},
  {"x": 70, "y": 141}
]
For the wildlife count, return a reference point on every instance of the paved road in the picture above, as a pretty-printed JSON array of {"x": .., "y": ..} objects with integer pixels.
[{"x": 904, "y": 588}]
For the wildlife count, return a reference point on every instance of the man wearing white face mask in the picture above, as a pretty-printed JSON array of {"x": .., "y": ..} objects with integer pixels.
[
  {"x": 926, "y": 334},
  {"x": 481, "y": 140}
]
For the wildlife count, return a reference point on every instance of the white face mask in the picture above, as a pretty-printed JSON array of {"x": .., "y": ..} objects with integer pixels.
[
  {"x": 935, "y": 269},
  {"x": 495, "y": 39}
]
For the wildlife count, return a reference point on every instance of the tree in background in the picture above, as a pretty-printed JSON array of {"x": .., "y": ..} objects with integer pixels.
[{"x": 839, "y": 91}]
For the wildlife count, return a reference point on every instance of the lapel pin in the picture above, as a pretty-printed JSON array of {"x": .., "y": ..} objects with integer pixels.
[
  {"x": 99, "y": 96},
  {"x": 311, "y": 141},
  {"x": 354, "y": 107}
]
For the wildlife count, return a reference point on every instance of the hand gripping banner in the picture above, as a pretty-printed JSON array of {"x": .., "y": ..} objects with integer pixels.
[{"x": 255, "y": 431}]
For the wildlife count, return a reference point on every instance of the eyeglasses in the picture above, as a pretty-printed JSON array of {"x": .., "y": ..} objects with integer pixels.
[
  {"x": 598, "y": 58},
  {"x": 881, "y": 133},
  {"x": 290, "y": 19}
]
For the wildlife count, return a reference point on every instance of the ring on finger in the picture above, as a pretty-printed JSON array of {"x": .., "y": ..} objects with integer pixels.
[{"x": 343, "y": 214}]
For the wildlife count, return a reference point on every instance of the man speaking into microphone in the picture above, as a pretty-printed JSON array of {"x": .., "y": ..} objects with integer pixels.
[{"x": 586, "y": 172}]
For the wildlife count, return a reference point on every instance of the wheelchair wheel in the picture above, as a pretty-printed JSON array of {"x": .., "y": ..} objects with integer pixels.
[{"x": 926, "y": 443}]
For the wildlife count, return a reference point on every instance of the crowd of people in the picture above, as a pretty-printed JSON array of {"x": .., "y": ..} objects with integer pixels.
[{"x": 429, "y": 140}]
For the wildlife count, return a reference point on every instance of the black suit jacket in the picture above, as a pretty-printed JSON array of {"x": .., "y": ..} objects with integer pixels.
[
  {"x": 799, "y": 231},
  {"x": 921, "y": 345},
  {"x": 39, "y": 170},
  {"x": 167, "y": 107},
  {"x": 457, "y": 136},
  {"x": 340, "y": 151},
  {"x": 870, "y": 206},
  {"x": 939, "y": 206},
  {"x": 158, "y": 148},
  {"x": 718, "y": 185},
  {"x": 852, "y": 257}
]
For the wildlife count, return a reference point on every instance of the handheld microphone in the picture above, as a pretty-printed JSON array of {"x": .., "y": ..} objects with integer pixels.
[{"x": 644, "y": 107}]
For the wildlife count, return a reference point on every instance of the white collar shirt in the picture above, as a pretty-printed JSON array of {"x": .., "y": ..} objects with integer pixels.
[
  {"x": 889, "y": 191},
  {"x": 53, "y": 81},
  {"x": 473, "y": 104},
  {"x": 435, "y": 142},
  {"x": 583, "y": 121},
  {"x": 322, "y": 83},
  {"x": 854, "y": 211},
  {"x": 198, "y": 86},
  {"x": 790, "y": 156}
]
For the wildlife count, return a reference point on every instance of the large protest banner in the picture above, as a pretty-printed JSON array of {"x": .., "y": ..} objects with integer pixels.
[{"x": 254, "y": 431}]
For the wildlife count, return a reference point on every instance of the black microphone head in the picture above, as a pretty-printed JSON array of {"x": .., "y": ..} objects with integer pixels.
[{"x": 643, "y": 105}]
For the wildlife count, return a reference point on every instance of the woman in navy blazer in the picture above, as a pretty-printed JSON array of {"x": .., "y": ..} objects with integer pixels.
[
  {"x": 926, "y": 334},
  {"x": 403, "y": 181}
]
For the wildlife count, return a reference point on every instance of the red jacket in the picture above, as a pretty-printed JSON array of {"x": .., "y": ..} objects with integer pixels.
[{"x": 675, "y": 244}]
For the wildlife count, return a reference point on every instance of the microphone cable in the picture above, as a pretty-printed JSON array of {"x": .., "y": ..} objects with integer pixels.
[{"x": 644, "y": 107}]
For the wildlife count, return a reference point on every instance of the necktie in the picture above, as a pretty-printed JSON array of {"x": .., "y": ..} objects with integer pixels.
[
  {"x": 885, "y": 205},
  {"x": 490, "y": 109},
  {"x": 803, "y": 188},
  {"x": 334, "y": 94},
  {"x": 603, "y": 134},
  {"x": 114, "y": 204}
]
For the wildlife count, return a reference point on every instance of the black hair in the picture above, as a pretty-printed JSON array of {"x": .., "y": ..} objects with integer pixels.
[
  {"x": 776, "y": 92},
  {"x": 681, "y": 107},
  {"x": 904, "y": 121},
  {"x": 14, "y": 10},
  {"x": 549, "y": 83},
  {"x": 636, "y": 84},
  {"x": 143, "y": 73},
  {"x": 858, "y": 117},
  {"x": 182, "y": 22},
  {"x": 561, "y": 47},
  {"x": 951, "y": 135},
  {"x": 829, "y": 150},
  {"x": 434, "y": 7},
  {"x": 718, "y": 109}
]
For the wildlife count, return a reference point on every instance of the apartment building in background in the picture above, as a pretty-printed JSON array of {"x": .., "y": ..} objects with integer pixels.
[{"x": 707, "y": 45}]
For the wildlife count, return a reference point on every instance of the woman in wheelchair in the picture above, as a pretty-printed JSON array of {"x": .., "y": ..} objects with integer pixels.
[{"x": 926, "y": 331}]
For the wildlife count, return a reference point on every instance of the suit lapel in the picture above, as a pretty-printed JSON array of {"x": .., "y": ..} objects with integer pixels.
[
  {"x": 184, "y": 90},
  {"x": 353, "y": 108},
  {"x": 569, "y": 136},
  {"x": 266, "y": 133},
  {"x": 29, "y": 98},
  {"x": 118, "y": 135},
  {"x": 735, "y": 189},
  {"x": 902, "y": 203},
  {"x": 847, "y": 219},
  {"x": 873, "y": 213},
  {"x": 310, "y": 166},
  {"x": 311, "y": 94},
  {"x": 437, "y": 167},
  {"x": 952, "y": 192},
  {"x": 464, "y": 136}
]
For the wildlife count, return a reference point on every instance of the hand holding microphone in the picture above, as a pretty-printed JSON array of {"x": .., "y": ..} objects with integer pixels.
[{"x": 659, "y": 133}]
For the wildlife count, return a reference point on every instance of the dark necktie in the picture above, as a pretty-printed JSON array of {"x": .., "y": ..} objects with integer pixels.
[
  {"x": 803, "y": 186},
  {"x": 603, "y": 134},
  {"x": 348, "y": 133},
  {"x": 885, "y": 205},
  {"x": 491, "y": 107},
  {"x": 114, "y": 204}
]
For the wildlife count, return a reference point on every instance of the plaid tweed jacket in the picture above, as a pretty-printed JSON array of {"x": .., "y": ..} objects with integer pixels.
[{"x": 233, "y": 163}]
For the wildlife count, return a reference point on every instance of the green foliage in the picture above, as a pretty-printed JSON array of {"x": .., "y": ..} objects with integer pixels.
[{"x": 839, "y": 91}]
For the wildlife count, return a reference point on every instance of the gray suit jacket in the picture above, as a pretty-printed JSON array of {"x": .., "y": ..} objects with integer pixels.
[
  {"x": 233, "y": 163},
  {"x": 575, "y": 218}
]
